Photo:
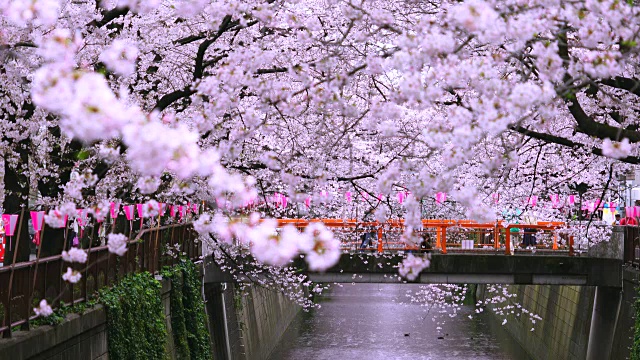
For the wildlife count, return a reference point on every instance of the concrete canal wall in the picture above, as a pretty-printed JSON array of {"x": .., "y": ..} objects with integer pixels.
[
  {"x": 566, "y": 311},
  {"x": 563, "y": 332},
  {"x": 247, "y": 326},
  {"x": 81, "y": 336}
]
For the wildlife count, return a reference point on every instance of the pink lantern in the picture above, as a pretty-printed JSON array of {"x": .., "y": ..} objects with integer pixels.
[
  {"x": 400, "y": 197},
  {"x": 114, "y": 210},
  {"x": 82, "y": 220},
  {"x": 307, "y": 201},
  {"x": 174, "y": 209},
  {"x": 347, "y": 196},
  {"x": 572, "y": 199},
  {"x": 636, "y": 211},
  {"x": 380, "y": 197},
  {"x": 161, "y": 208},
  {"x": 597, "y": 204},
  {"x": 441, "y": 197},
  {"x": 37, "y": 219},
  {"x": 364, "y": 195},
  {"x": 283, "y": 200},
  {"x": 496, "y": 197},
  {"x": 10, "y": 221},
  {"x": 628, "y": 211},
  {"x": 128, "y": 212},
  {"x": 183, "y": 211},
  {"x": 82, "y": 216},
  {"x": 533, "y": 200},
  {"x": 555, "y": 200},
  {"x": 195, "y": 208}
]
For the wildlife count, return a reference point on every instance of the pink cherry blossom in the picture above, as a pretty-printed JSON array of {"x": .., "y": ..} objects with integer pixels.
[
  {"x": 411, "y": 266},
  {"x": 322, "y": 249},
  {"x": 71, "y": 276},
  {"x": 117, "y": 244},
  {"x": 43, "y": 309},
  {"x": 75, "y": 255}
]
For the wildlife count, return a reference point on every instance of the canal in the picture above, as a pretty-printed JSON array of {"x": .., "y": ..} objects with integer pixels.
[{"x": 379, "y": 321}]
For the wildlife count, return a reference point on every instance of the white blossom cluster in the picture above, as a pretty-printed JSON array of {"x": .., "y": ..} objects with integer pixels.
[{"x": 274, "y": 246}]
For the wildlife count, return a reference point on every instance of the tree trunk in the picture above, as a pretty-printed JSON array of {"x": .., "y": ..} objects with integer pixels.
[{"x": 16, "y": 198}]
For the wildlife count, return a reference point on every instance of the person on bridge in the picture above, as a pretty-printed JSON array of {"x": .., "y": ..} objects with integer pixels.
[
  {"x": 367, "y": 239},
  {"x": 425, "y": 245},
  {"x": 529, "y": 237},
  {"x": 617, "y": 220},
  {"x": 628, "y": 221}
]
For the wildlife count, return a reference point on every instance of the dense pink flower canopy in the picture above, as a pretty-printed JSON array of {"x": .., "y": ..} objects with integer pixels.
[{"x": 234, "y": 101}]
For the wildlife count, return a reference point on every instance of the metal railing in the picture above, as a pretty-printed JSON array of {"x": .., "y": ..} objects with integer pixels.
[
  {"x": 24, "y": 284},
  {"x": 444, "y": 234}
]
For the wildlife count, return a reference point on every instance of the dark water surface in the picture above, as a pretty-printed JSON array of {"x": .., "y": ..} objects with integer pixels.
[{"x": 369, "y": 321}]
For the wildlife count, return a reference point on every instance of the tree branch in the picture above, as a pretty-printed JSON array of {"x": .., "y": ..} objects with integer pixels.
[
  {"x": 632, "y": 85},
  {"x": 588, "y": 126},
  {"x": 107, "y": 16},
  {"x": 171, "y": 97},
  {"x": 566, "y": 142}
]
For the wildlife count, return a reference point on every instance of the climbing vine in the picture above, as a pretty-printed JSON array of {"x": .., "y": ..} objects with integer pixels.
[
  {"x": 135, "y": 318},
  {"x": 635, "y": 350},
  {"x": 188, "y": 319}
]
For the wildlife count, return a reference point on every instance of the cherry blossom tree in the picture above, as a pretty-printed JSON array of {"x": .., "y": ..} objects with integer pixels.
[{"x": 189, "y": 100}]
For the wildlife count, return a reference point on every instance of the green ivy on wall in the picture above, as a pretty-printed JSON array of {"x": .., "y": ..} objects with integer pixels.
[
  {"x": 178, "y": 325},
  {"x": 188, "y": 318},
  {"x": 135, "y": 318}
]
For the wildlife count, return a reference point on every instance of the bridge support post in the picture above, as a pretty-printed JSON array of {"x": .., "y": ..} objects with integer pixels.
[
  {"x": 443, "y": 239},
  {"x": 380, "y": 239},
  {"x": 571, "y": 253},
  {"x": 507, "y": 241},
  {"x": 604, "y": 318}
]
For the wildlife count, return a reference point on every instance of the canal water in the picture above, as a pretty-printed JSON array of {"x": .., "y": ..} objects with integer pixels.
[{"x": 379, "y": 321}]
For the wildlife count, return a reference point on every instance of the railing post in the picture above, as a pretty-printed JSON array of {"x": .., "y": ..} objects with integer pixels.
[
  {"x": 443, "y": 239},
  {"x": 555, "y": 240},
  {"x": 496, "y": 237},
  {"x": 570, "y": 245},
  {"x": 507, "y": 241},
  {"x": 380, "y": 239}
]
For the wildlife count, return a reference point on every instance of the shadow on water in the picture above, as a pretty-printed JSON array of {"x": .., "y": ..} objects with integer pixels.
[{"x": 378, "y": 321}]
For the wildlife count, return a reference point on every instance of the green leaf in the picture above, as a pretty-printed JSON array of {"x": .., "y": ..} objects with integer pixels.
[{"x": 82, "y": 154}]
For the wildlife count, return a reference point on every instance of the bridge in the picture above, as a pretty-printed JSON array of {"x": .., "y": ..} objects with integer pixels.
[
  {"x": 487, "y": 258},
  {"x": 476, "y": 269},
  {"x": 449, "y": 235}
]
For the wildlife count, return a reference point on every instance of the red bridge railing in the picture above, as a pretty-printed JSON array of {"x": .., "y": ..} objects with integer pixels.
[
  {"x": 445, "y": 234},
  {"x": 24, "y": 284}
]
